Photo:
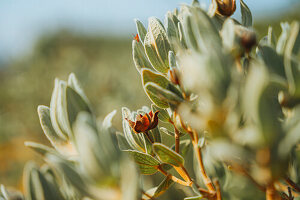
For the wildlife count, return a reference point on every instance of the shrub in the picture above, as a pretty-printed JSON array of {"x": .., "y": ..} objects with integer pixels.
[{"x": 224, "y": 123}]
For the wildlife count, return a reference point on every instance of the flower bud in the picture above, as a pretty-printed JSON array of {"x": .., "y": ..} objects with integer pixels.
[{"x": 226, "y": 7}]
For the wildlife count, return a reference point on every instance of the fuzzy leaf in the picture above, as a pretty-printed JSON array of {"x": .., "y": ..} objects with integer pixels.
[
  {"x": 167, "y": 155},
  {"x": 163, "y": 113},
  {"x": 141, "y": 30},
  {"x": 163, "y": 186},
  {"x": 246, "y": 14},
  {"x": 157, "y": 45},
  {"x": 139, "y": 57},
  {"x": 193, "y": 198},
  {"x": 147, "y": 164}
]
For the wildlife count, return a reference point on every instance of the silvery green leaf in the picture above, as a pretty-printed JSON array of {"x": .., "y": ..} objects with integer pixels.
[
  {"x": 70, "y": 174},
  {"x": 163, "y": 186},
  {"x": 75, "y": 104},
  {"x": 155, "y": 134},
  {"x": 166, "y": 131},
  {"x": 272, "y": 60},
  {"x": 134, "y": 140},
  {"x": 172, "y": 59},
  {"x": 261, "y": 104},
  {"x": 162, "y": 81},
  {"x": 45, "y": 121},
  {"x": 74, "y": 83},
  {"x": 194, "y": 198},
  {"x": 38, "y": 187},
  {"x": 290, "y": 140},
  {"x": 292, "y": 65},
  {"x": 167, "y": 155},
  {"x": 139, "y": 57},
  {"x": 122, "y": 142},
  {"x": 246, "y": 14},
  {"x": 91, "y": 152},
  {"x": 141, "y": 30},
  {"x": 107, "y": 122},
  {"x": 191, "y": 40},
  {"x": 171, "y": 26},
  {"x": 282, "y": 40},
  {"x": 272, "y": 41},
  {"x": 147, "y": 164},
  {"x": 207, "y": 35},
  {"x": 40, "y": 148},
  {"x": 228, "y": 34},
  {"x": 61, "y": 109},
  {"x": 53, "y": 111},
  {"x": 159, "y": 95},
  {"x": 129, "y": 172},
  {"x": 157, "y": 45},
  {"x": 181, "y": 35},
  {"x": 10, "y": 194},
  {"x": 163, "y": 113}
]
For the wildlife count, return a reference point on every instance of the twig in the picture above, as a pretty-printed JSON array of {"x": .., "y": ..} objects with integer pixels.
[
  {"x": 293, "y": 185},
  {"x": 175, "y": 179},
  {"x": 148, "y": 195},
  {"x": 218, "y": 190}
]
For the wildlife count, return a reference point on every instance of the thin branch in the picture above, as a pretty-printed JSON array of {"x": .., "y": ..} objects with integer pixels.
[
  {"x": 271, "y": 193},
  {"x": 293, "y": 185},
  {"x": 175, "y": 179},
  {"x": 218, "y": 190},
  {"x": 148, "y": 195}
]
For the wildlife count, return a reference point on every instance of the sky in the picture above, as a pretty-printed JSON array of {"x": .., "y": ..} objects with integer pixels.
[{"x": 22, "y": 22}]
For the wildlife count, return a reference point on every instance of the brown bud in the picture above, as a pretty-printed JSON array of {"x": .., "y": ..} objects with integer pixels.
[
  {"x": 144, "y": 123},
  {"x": 248, "y": 40},
  {"x": 226, "y": 7}
]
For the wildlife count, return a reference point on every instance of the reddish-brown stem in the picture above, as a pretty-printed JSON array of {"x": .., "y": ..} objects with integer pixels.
[
  {"x": 177, "y": 140},
  {"x": 175, "y": 179},
  {"x": 218, "y": 190},
  {"x": 147, "y": 195},
  {"x": 293, "y": 185}
]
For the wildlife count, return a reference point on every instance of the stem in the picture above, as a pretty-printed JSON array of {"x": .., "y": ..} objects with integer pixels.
[
  {"x": 177, "y": 140},
  {"x": 271, "y": 193},
  {"x": 205, "y": 177},
  {"x": 293, "y": 185},
  {"x": 147, "y": 195},
  {"x": 175, "y": 179},
  {"x": 177, "y": 137},
  {"x": 218, "y": 190}
]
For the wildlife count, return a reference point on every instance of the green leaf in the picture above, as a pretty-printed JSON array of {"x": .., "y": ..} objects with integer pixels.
[
  {"x": 53, "y": 111},
  {"x": 194, "y": 198},
  {"x": 139, "y": 57},
  {"x": 75, "y": 104},
  {"x": 162, "y": 94},
  {"x": 189, "y": 33},
  {"x": 171, "y": 26},
  {"x": 246, "y": 14},
  {"x": 40, "y": 148},
  {"x": 45, "y": 121},
  {"x": 272, "y": 60},
  {"x": 163, "y": 113},
  {"x": 147, "y": 164},
  {"x": 157, "y": 45},
  {"x": 167, "y": 155},
  {"x": 122, "y": 142},
  {"x": 141, "y": 30},
  {"x": 149, "y": 76},
  {"x": 172, "y": 59},
  {"x": 70, "y": 173},
  {"x": 163, "y": 186}
]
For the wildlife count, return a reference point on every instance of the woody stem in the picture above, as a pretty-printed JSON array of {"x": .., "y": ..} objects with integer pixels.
[
  {"x": 177, "y": 140},
  {"x": 271, "y": 193}
]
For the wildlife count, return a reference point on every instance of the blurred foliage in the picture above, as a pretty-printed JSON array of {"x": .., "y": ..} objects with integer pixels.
[{"x": 104, "y": 66}]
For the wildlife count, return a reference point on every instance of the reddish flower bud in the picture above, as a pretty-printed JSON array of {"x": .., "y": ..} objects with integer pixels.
[
  {"x": 136, "y": 37},
  {"x": 226, "y": 7},
  {"x": 144, "y": 123}
]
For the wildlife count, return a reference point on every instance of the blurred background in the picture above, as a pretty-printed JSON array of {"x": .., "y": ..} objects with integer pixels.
[{"x": 41, "y": 40}]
